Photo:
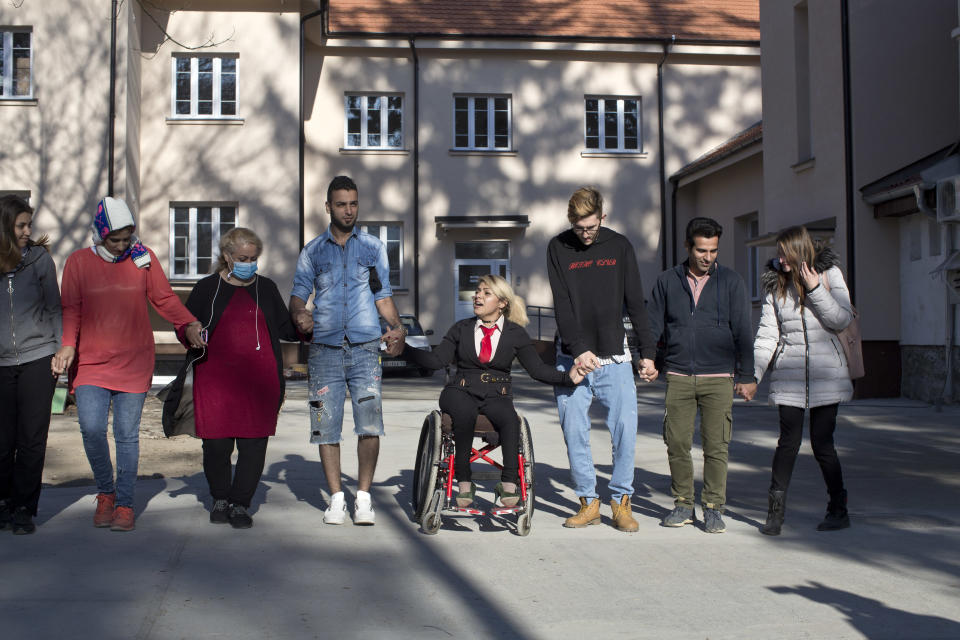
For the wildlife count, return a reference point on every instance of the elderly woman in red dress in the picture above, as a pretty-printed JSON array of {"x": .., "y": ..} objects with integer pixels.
[{"x": 238, "y": 378}]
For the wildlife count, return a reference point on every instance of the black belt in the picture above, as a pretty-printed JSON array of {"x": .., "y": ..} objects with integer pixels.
[{"x": 484, "y": 377}]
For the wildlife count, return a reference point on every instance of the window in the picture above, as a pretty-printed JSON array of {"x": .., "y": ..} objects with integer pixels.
[
  {"x": 612, "y": 124},
  {"x": 16, "y": 64},
  {"x": 195, "y": 231},
  {"x": 391, "y": 235},
  {"x": 205, "y": 86},
  {"x": 373, "y": 122},
  {"x": 481, "y": 122}
]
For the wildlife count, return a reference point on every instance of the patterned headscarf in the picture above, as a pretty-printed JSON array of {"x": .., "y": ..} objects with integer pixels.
[{"x": 113, "y": 214}]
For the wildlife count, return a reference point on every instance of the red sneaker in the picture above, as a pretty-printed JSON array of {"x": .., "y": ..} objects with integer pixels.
[
  {"x": 104, "y": 513},
  {"x": 122, "y": 519}
]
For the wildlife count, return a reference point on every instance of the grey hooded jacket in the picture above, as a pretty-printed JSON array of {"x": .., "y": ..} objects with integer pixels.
[{"x": 30, "y": 315}]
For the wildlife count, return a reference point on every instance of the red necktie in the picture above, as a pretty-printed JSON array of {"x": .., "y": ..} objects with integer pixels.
[{"x": 486, "y": 346}]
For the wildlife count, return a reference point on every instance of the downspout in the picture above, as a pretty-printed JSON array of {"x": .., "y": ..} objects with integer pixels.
[
  {"x": 663, "y": 167},
  {"x": 112, "y": 117},
  {"x": 302, "y": 144},
  {"x": 951, "y": 319},
  {"x": 673, "y": 219},
  {"x": 848, "y": 154},
  {"x": 416, "y": 178}
]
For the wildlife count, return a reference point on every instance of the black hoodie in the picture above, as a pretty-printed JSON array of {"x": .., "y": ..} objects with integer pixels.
[{"x": 592, "y": 285}]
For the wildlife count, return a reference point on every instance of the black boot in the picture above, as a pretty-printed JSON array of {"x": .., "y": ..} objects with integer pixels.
[
  {"x": 777, "y": 505},
  {"x": 6, "y": 515},
  {"x": 837, "y": 517}
]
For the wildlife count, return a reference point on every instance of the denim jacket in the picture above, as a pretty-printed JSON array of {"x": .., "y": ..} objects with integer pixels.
[{"x": 346, "y": 281}]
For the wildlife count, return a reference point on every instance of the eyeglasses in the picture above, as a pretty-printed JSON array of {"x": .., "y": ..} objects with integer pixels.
[{"x": 585, "y": 230}]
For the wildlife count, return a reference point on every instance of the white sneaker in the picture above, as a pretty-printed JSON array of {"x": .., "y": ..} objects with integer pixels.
[
  {"x": 336, "y": 513},
  {"x": 363, "y": 509}
]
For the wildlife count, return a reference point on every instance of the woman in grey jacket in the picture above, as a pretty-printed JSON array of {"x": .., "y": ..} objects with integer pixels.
[
  {"x": 29, "y": 336},
  {"x": 806, "y": 303}
]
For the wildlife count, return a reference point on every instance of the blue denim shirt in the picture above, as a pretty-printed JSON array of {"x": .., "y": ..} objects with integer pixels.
[{"x": 339, "y": 277}]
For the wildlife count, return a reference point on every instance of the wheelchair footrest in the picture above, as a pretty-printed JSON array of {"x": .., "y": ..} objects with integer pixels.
[
  {"x": 466, "y": 510},
  {"x": 501, "y": 511}
]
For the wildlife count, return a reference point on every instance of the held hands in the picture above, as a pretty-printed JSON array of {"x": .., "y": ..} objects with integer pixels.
[
  {"x": 810, "y": 277},
  {"x": 62, "y": 360},
  {"x": 648, "y": 372},
  {"x": 194, "y": 335},
  {"x": 587, "y": 362},
  {"x": 303, "y": 319},
  {"x": 576, "y": 375},
  {"x": 746, "y": 390},
  {"x": 394, "y": 339}
]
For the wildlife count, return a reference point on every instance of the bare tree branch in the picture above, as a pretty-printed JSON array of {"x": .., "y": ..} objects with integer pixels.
[{"x": 209, "y": 43}]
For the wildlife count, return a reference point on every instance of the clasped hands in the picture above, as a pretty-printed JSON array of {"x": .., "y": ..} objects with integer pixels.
[
  {"x": 746, "y": 390},
  {"x": 588, "y": 361}
]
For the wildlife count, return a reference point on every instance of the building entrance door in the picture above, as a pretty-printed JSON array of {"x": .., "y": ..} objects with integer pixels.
[{"x": 472, "y": 261}]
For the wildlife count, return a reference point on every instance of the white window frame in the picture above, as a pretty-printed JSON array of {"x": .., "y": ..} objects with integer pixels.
[
  {"x": 384, "y": 120},
  {"x": 194, "y": 93},
  {"x": 491, "y": 125},
  {"x": 382, "y": 236},
  {"x": 192, "y": 235},
  {"x": 601, "y": 124},
  {"x": 6, "y": 80}
]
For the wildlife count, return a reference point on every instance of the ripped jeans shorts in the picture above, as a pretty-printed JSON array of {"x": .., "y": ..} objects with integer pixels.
[{"x": 334, "y": 369}]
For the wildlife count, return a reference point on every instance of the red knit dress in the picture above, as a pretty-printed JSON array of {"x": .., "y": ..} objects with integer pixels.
[{"x": 236, "y": 391}]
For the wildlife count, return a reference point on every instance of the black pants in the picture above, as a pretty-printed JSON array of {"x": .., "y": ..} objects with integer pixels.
[
  {"x": 251, "y": 452},
  {"x": 463, "y": 408},
  {"x": 823, "y": 422},
  {"x": 26, "y": 392}
]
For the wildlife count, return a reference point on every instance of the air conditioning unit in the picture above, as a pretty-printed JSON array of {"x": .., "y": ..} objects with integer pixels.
[{"x": 948, "y": 202}]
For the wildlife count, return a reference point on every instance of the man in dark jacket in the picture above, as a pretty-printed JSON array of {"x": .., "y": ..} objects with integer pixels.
[
  {"x": 594, "y": 276},
  {"x": 701, "y": 311}
]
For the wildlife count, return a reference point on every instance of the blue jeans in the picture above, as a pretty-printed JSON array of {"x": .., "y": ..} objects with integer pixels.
[
  {"x": 332, "y": 371},
  {"x": 613, "y": 387},
  {"x": 93, "y": 404}
]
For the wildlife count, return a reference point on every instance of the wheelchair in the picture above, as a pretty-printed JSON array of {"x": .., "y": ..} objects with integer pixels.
[{"x": 433, "y": 481}]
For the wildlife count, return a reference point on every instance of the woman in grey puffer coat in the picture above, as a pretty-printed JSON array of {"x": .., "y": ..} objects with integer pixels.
[
  {"x": 29, "y": 336},
  {"x": 803, "y": 309}
]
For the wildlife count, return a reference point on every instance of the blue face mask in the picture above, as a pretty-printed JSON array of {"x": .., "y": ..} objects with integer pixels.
[{"x": 244, "y": 270}]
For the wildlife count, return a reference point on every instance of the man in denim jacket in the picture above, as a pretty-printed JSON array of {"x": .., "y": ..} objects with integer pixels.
[{"x": 348, "y": 274}]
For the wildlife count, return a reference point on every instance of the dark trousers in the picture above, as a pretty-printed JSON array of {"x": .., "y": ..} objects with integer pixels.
[
  {"x": 251, "y": 452},
  {"x": 823, "y": 422},
  {"x": 463, "y": 408},
  {"x": 26, "y": 392}
]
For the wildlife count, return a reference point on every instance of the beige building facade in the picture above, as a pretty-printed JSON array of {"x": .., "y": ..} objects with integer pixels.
[{"x": 466, "y": 140}]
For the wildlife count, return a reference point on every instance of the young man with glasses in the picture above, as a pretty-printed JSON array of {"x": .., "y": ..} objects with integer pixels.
[{"x": 594, "y": 277}]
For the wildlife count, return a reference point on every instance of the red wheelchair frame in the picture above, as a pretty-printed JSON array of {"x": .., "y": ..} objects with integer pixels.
[{"x": 433, "y": 473}]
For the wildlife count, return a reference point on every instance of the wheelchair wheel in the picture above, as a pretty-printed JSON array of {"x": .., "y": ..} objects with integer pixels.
[
  {"x": 525, "y": 521},
  {"x": 425, "y": 468},
  {"x": 431, "y": 521}
]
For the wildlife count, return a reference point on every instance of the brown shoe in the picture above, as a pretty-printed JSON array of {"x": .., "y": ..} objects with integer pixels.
[
  {"x": 622, "y": 516},
  {"x": 122, "y": 519},
  {"x": 103, "y": 516},
  {"x": 588, "y": 514}
]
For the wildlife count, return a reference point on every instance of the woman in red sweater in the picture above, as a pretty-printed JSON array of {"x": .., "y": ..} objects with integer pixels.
[{"x": 108, "y": 348}]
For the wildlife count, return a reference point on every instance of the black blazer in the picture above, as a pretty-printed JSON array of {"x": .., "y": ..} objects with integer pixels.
[{"x": 459, "y": 346}]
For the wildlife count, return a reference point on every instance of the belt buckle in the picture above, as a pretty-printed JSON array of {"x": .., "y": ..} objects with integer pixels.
[{"x": 485, "y": 377}]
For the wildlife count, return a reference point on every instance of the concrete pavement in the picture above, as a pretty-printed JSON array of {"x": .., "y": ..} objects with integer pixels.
[{"x": 894, "y": 574}]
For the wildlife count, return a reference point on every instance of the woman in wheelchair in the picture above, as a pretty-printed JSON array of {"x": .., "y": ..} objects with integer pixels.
[{"x": 484, "y": 348}]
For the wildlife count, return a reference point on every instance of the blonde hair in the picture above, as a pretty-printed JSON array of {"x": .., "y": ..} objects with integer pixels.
[
  {"x": 516, "y": 309},
  {"x": 234, "y": 239},
  {"x": 584, "y": 202},
  {"x": 795, "y": 244}
]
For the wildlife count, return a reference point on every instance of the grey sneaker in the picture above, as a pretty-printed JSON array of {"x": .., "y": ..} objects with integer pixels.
[
  {"x": 239, "y": 518},
  {"x": 712, "y": 522},
  {"x": 678, "y": 517}
]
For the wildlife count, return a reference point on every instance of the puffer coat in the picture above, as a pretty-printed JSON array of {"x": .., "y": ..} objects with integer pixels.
[{"x": 799, "y": 344}]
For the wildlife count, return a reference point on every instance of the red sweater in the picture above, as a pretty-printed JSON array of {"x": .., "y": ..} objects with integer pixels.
[{"x": 105, "y": 317}]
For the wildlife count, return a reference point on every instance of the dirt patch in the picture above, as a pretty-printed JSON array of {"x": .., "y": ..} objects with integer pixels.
[{"x": 66, "y": 463}]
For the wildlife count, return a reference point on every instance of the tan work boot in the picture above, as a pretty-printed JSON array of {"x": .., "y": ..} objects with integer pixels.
[
  {"x": 588, "y": 514},
  {"x": 622, "y": 516}
]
